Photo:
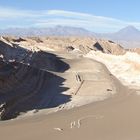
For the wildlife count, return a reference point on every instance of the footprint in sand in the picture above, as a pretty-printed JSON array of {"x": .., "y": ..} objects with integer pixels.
[{"x": 78, "y": 123}]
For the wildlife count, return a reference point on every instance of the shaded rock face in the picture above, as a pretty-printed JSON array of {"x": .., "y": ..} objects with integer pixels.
[
  {"x": 26, "y": 84},
  {"x": 98, "y": 47},
  {"x": 12, "y": 52},
  {"x": 24, "y": 88},
  {"x": 70, "y": 48},
  {"x": 40, "y": 59},
  {"x": 19, "y": 39},
  {"x": 48, "y": 61}
]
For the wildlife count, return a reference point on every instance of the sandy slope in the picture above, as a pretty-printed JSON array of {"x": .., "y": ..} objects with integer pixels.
[
  {"x": 116, "y": 118},
  {"x": 86, "y": 81}
]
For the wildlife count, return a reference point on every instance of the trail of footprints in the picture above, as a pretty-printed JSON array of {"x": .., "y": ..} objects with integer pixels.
[{"x": 78, "y": 123}]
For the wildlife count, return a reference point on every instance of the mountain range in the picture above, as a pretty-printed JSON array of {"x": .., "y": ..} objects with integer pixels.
[
  {"x": 50, "y": 31},
  {"x": 127, "y": 37}
]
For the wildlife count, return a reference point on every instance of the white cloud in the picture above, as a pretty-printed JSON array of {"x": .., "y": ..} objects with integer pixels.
[
  {"x": 79, "y": 15},
  {"x": 87, "y": 21},
  {"x": 60, "y": 17},
  {"x": 6, "y": 13}
]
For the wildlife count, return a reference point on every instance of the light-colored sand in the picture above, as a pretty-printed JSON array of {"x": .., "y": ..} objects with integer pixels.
[
  {"x": 125, "y": 67},
  {"x": 116, "y": 118}
]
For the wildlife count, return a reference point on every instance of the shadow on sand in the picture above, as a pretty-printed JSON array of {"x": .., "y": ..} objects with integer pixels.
[{"x": 31, "y": 87}]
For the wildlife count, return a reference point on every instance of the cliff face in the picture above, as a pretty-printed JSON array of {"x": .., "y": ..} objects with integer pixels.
[{"x": 25, "y": 80}]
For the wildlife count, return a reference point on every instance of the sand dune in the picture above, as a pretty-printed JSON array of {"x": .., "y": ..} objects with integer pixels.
[
  {"x": 49, "y": 90},
  {"x": 115, "y": 118}
]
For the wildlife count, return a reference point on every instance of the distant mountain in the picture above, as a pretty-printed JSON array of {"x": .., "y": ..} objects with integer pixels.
[
  {"x": 128, "y": 33},
  {"x": 127, "y": 37},
  {"x": 54, "y": 31}
]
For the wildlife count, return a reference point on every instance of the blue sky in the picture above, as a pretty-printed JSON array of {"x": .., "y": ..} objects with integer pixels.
[{"x": 94, "y": 15}]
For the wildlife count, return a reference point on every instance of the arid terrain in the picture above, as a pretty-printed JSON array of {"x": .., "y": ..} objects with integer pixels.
[{"x": 68, "y": 88}]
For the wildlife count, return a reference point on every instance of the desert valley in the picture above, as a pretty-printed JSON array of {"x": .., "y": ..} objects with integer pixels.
[
  {"x": 69, "y": 70},
  {"x": 67, "y": 88}
]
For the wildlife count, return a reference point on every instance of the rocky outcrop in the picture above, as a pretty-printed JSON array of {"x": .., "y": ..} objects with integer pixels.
[
  {"x": 41, "y": 60},
  {"x": 107, "y": 46},
  {"x": 68, "y": 44}
]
